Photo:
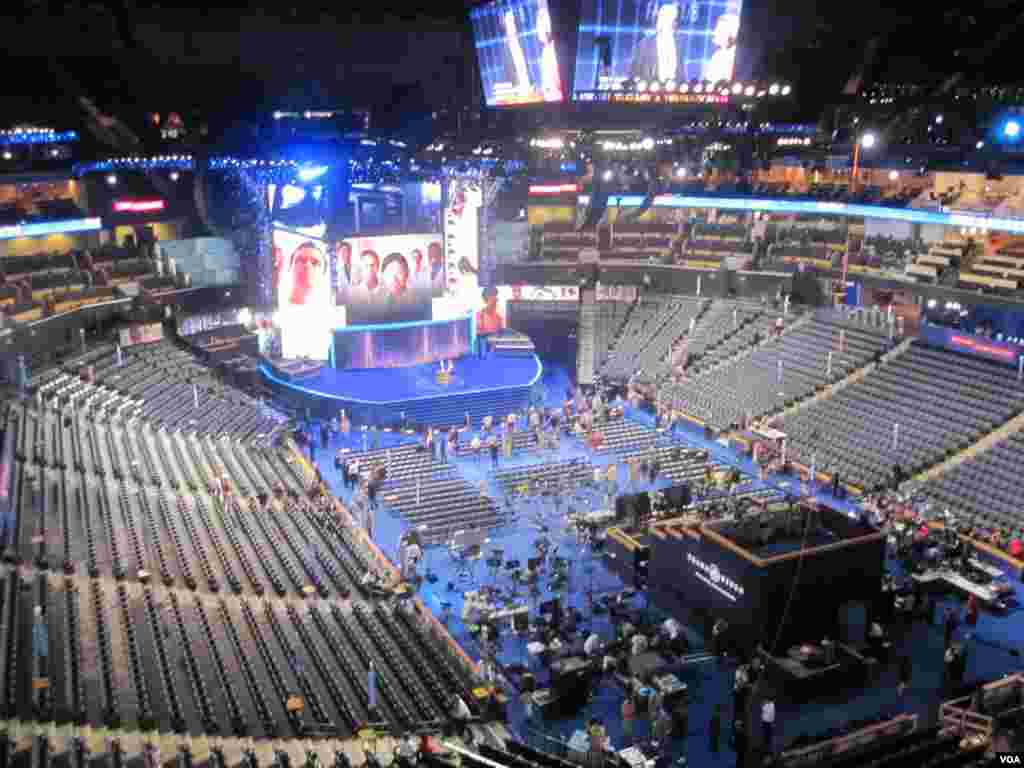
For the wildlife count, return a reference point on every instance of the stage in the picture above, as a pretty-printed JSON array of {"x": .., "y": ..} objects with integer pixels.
[{"x": 493, "y": 386}]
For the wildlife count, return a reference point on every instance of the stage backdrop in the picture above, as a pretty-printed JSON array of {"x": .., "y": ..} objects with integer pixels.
[
  {"x": 388, "y": 279},
  {"x": 401, "y": 345}
]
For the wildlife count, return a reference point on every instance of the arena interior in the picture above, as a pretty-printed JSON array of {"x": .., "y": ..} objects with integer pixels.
[{"x": 653, "y": 428}]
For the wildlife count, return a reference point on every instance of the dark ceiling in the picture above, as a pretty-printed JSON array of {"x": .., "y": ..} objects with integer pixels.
[{"x": 134, "y": 57}]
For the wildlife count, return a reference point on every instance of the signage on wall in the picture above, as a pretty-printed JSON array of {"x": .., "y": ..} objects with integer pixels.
[
  {"x": 138, "y": 206},
  {"x": 712, "y": 575}
]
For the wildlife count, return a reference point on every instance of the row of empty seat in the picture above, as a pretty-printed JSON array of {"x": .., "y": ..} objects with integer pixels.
[{"x": 914, "y": 410}]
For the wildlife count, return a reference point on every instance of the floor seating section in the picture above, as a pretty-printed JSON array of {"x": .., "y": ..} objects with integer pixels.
[
  {"x": 749, "y": 386},
  {"x": 429, "y": 494},
  {"x": 170, "y": 609},
  {"x": 941, "y": 401}
]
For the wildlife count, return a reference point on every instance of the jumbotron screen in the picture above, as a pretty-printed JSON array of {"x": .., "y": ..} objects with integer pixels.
[
  {"x": 389, "y": 279},
  {"x": 666, "y": 42},
  {"x": 516, "y": 50}
]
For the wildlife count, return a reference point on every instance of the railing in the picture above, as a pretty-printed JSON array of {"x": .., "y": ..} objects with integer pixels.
[{"x": 859, "y": 739}]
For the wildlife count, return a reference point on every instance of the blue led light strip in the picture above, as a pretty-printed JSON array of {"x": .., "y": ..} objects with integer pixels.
[
  {"x": 42, "y": 228},
  {"x": 912, "y": 215}
]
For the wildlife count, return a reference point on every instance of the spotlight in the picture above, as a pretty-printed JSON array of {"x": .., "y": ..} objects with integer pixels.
[
  {"x": 893, "y": 175},
  {"x": 774, "y": 89},
  {"x": 655, "y": 86},
  {"x": 607, "y": 175},
  {"x": 641, "y": 85},
  {"x": 737, "y": 88},
  {"x": 680, "y": 173},
  {"x": 698, "y": 88},
  {"x": 684, "y": 87},
  {"x": 750, "y": 90},
  {"x": 670, "y": 86},
  {"x": 786, "y": 90},
  {"x": 111, "y": 179},
  {"x": 938, "y": 119},
  {"x": 175, "y": 175},
  {"x": 647, "y": 143},
  {"x": 1012, "y": 129},
  {"x": 979, "y": 145},
  {"x": 8, "y": 155},
  {"x": 868, "y": 140}
]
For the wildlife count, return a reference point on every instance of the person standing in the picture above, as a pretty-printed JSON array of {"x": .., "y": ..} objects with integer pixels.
[
  {"x": 949, "y": 628},
  {"x": 628, "y": 716},
  {"x": 768, "y": 724},
  {"x": 492, "y": 444},
  {"x": 906, "y": 669},
  {"x": 442, "y": 446},
  {"x": 343, "y": 466},
  {"x": 715, "y": 729}
]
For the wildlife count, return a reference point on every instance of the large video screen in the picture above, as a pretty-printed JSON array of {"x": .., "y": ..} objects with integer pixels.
[
  {"x": 667, "y": 42},
  {"x": 306, "y": 314},
  {"x": 390, "y": 279},
  {"x": 301, "y": 267},
  {"x": 515, "y": 46},
  {"x": 401, "y": 347}
]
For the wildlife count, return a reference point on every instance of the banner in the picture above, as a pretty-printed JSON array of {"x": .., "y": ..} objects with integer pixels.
[
  {"x": 980, "y": 346},
  {"x": 461, "y": 250},
  {"x": 627, "y": 293},
  {"x": 141, "y": 334}
]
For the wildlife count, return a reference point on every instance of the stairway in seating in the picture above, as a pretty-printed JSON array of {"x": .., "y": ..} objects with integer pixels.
[
  {"x": 853, "y": 378},
  {"x": 585, "y": 335}
]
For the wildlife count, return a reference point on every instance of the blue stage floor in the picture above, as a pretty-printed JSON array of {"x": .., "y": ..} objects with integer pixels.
[
  {"x": 401, "y": 385},
  {"x": 991, "y": 645}
]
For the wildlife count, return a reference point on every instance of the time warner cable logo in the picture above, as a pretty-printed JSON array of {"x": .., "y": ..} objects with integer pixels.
[{"x": 711, "y": 575}]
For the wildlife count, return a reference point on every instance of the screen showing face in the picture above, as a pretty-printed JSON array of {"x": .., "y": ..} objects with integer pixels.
[
  {"x": 515, "y": 47},
  {"x": 668, "y": 42},
  {"x": 301, "y": 273},
  {"x": 388, "y": 279},
  {"x": 306, "y": 315}
]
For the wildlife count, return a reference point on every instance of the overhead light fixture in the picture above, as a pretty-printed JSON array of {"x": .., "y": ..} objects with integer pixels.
[
  {"x": 312, "y": 172},
  {"x": 138, "y": 206}
]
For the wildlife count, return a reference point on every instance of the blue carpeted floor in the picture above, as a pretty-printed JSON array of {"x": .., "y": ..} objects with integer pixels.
[
  {"x": 390, "y": 385},
  {"x": 989, "y": 643}
]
